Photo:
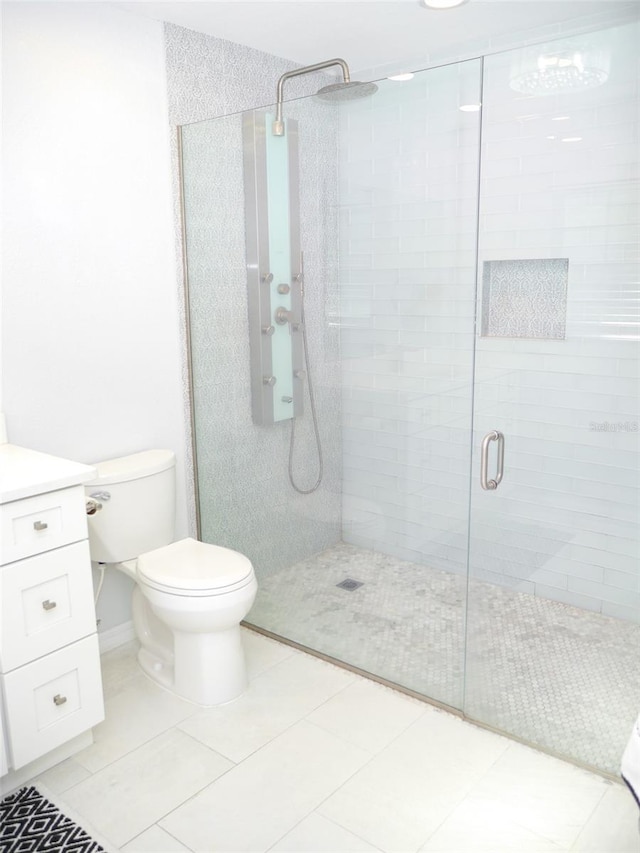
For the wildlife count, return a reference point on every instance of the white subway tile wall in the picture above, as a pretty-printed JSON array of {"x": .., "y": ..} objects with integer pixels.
[
  {"x": 568, "y": 409},
  {"x": 408, "y": 195},
  {"x": 563, "y": 523}
]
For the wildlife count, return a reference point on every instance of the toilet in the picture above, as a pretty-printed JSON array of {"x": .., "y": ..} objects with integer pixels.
[{"x": 189, "y": 597}]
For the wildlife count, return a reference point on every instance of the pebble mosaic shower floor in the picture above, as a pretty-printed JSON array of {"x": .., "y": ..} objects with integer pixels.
[{"x": 564, "y": 679}]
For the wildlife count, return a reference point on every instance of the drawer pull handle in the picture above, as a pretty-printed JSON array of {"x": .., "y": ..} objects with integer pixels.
[
  {"x": 48, "y": 605},
  {"x": 40, "y": 525},
  {"x": 59, "y": 700}
]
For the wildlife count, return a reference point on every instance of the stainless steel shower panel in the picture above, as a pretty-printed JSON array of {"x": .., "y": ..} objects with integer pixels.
[
  {"x": 274, "y": 274},
  {"x": 297, "y": 272},
  {"x": 258, "y": 275}
]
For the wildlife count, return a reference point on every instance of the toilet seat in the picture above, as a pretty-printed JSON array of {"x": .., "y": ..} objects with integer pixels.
[{"x": 192, "y": 568}]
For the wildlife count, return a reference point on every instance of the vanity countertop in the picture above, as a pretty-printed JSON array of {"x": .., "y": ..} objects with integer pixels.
[{"x": 25, "y": 472}]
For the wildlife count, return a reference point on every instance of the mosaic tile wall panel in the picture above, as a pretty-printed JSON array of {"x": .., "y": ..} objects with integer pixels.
[
  {"x": 525, "y": 298},
  {"x": 246, "y": 500}
]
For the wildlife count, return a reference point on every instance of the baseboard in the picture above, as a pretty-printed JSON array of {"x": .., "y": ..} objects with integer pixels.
[
  {"x": 15, "y": 779},
  {"x": 117, "y": 636}
]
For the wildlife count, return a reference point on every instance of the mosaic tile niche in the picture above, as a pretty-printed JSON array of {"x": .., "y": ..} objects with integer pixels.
[
  {"x": 525, "y": 298},
  {"x": 246, "y": 500}
]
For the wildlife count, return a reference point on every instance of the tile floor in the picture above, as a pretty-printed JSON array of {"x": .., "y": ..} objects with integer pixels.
[
  {"x": 557, "y": 676},
  {"x": 315, "y": 758}
]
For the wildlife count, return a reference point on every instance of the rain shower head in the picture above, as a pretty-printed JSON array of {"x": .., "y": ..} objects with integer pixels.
[
  {"x": 338, "y": 92},
  {"x": 344, "y": 91}
]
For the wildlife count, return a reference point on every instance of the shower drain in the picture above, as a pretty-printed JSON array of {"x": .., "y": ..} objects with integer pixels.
[{"x": 350, "y": 584}]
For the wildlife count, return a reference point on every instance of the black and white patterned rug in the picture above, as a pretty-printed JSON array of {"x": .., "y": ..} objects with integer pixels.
[{"x": 30, "y": 823}]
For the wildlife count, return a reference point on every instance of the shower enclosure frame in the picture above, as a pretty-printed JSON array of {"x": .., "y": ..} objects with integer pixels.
[{"x": 472, "y": 479}]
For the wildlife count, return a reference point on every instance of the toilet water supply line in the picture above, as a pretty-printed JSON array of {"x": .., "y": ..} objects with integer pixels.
[
  {"x": 101, "y": 568},
  {"x": 92, "y": 506}
]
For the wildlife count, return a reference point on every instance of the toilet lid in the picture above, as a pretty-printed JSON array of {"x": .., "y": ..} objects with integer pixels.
[{"x": 189, "y": 565}]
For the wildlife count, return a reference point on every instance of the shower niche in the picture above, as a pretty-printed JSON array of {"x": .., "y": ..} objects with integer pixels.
[{"x": 274, "y": 267}]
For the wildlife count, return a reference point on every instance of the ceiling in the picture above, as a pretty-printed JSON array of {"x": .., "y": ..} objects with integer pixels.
[{"x": 372, "y": 34}]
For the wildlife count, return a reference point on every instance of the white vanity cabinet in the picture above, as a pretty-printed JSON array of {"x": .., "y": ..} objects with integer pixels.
[{"x": 49, "y": 656}]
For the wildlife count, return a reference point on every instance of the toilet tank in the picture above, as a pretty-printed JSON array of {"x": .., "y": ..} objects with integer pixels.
[{"x": 138, "y": 497}]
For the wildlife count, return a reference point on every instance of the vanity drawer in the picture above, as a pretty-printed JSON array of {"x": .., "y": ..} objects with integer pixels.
[
  {"x": 37, "y": 524},
  {"x": 52, "y": 700},
  {"x": 46, "y": 602}
]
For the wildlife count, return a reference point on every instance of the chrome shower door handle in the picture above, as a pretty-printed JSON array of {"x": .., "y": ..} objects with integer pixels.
[
  {"x": 500, "y": 468},
  {"x": 485, "y": 482}
]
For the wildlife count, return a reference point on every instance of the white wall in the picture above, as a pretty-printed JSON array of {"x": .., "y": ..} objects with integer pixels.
[{"x": 91, "y": 356}]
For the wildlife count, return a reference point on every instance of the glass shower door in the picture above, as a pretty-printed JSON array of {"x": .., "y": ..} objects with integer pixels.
[{"x": 553, "y": 633}]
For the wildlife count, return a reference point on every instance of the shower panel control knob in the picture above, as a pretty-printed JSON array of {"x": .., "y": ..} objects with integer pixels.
[
  {"x": 268, "y": 330},
  {"x": 283, "y": 288},
  {"x": 283, "y": 316},
  {"x": 269, "y": 380},
  {"x": 267, "y": 277}
]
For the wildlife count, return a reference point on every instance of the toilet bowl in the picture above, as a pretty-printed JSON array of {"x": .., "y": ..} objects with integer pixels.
[
  {"x": 189, "y": 596},
  {"x": 201, "y": 593}
]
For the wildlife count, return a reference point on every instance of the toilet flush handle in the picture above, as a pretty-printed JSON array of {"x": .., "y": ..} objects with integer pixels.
[{"x": 95, "y": 500}]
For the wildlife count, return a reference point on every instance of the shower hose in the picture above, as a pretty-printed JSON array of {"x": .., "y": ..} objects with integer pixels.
[{"x": 314, "y": 413}]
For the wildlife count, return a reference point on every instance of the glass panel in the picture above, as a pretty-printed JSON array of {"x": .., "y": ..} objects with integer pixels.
[
  {"x": 370, "y": 568},
  {"x": 554, "y": 599},
  {"x": 245, "y": 497},
  {"x": 408, "y": 198}
]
